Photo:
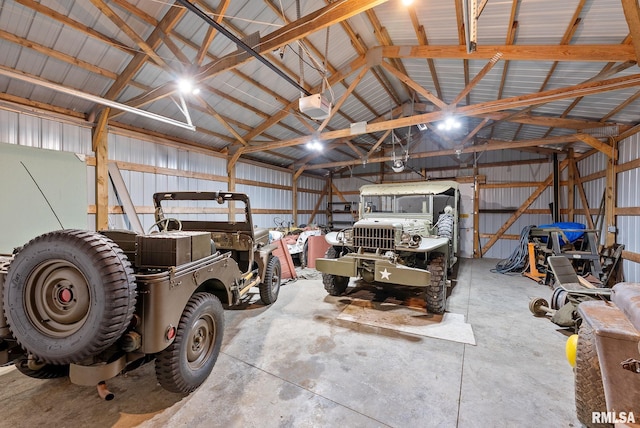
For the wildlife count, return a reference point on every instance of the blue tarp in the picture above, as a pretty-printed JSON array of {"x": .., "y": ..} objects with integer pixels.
[{"x": 573, "y": 231}]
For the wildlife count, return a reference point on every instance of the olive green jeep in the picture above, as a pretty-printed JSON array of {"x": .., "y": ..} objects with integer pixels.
[
  {"x": 91, "y": 305},
  {"x": 407, "y": 235}
]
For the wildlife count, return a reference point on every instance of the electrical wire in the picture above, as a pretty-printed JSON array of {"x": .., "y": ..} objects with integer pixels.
[{"x": 518, "y": 260}]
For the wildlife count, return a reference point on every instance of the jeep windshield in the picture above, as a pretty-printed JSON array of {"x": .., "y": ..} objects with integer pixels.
[
  {"x": 205, "y": 210},
  {"x": 383, "y": 205}
]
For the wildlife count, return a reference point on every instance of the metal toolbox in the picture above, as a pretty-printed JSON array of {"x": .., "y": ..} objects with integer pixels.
[
  {"x": 126, "y": 240},
  {"x": 166, "y": 249},
  {"x": 200, "y": 243}
]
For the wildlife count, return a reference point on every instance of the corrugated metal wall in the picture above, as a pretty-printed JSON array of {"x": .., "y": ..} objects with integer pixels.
[
  {"x": 30, "y": 130},
  {"x": 511, "y": 198},
  {"x": 628, "y": 196}
]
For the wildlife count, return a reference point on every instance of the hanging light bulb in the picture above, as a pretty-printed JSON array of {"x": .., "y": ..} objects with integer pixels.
[{"x": 398, "y": 165}]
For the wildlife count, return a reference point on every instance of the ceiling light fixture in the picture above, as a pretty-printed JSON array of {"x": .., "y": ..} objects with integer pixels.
[
  {"x": 397, "y": 165},
  {"x": 314, "y": 145},
  {"x": 94, "y": 98},
  {"x": 449, "y": 124},
  {"x": 407, "y": 2},
  {"x": 186, "y": 86}
]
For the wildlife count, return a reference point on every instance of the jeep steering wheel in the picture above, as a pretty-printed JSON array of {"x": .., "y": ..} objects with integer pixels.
[{"x": 163, "y": 224}]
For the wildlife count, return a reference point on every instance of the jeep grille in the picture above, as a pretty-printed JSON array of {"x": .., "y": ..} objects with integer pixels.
[{"x": 374, "y": 238}]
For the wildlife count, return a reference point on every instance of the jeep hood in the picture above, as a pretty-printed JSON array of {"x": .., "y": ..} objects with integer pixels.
[{"x": 409, "y": 225}]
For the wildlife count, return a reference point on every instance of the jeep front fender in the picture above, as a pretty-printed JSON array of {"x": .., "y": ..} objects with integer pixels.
[{"x": 336, "y": 238}]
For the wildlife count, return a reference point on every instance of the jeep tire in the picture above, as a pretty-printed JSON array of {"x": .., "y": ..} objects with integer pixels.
[
  {"x": 334, "y": 285},
  {"x": 270, "y": 287},
  {"x": 69, "y": 295},
  {"x": 188, "y": 361},
  {"x": 589, "y": 387},
  {"x": 436, "y": 292}
]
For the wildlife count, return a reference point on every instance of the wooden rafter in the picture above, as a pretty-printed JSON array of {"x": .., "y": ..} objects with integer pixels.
[
  {"x": 329, "y": 67},
  {"x": 609, "y": 69},
  {"x": 583, "y": 89},
  {"x": 511, "y": 36},
  {"x": 220, "y": 119},
  {"x": 211, "y": 32},
  {"x": 343, "y": 98},
  {"x": 421, "y": 35},
  {"x": 71, "y": 23},
  {"x": 605, "y": 148},
  {"x": 412, "y": 84},
  {"x": 384, "y": 39},
  {"x": 566, "y": 39},
  {"x": 170, "y": 19},
  {"x": 551, "y": 121},
  {"x": 586, "y": 53},
  {"x": 469, "y": 87},
  {"x": 462, "y": 42},
  {"x": 632, "y": 15},
  {"x": 315, "y": 21},
  {"x": 63, "y": 57},
  {"x": 489, "y": 146},
  {"x": 130, "y": 32},
  {"x": 620, "y": 107}
]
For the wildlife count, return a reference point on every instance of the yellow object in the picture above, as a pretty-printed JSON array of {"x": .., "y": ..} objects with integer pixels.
[{"x": 571, "y": 349}]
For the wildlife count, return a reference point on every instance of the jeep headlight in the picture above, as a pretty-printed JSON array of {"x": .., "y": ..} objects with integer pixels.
[
  {"x": 345, "y": 236},
  {"x": 405, "y": 238}
]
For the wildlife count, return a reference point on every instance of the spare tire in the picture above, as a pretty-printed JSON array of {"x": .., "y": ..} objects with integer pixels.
[{"x": 69, "y": 295}]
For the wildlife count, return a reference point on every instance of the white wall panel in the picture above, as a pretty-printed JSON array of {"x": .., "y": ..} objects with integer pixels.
[
  {"x": 9, "y": 127},
  {"x": 29, "y": 129},
  {"x": 76, "y": 139},
  {"x": 51, "y": 135},
  {"x": 628, "y": 227},
  {"x": 628, "y": 196},
  {"x": 629, "y": 149}
]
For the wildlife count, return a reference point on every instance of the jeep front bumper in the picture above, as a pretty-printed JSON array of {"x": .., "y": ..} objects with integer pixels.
[{"x": 352, "y": 264}]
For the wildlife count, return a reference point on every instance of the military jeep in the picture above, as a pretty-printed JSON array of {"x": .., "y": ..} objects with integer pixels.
[
  {"x": 91, "y": 305},
  {"x": 407, "y": 235},
  {"x": 607, "y": 359}
]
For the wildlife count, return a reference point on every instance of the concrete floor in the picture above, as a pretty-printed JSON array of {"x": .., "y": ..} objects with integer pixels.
[{"x": 294, "y": 364}]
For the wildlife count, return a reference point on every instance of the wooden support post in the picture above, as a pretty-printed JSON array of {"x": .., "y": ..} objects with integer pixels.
[
  {"x": 231, "y": 171},
  {"x": 317, "y": 206},
  {"x": 571, "y": 203},
  {"x": 476, "y": 216},
  {"x": 294, "y": 198},
  {"x": 101, "y": 149},
  {"x": 610, "y": 196},
  {"x": 330, "y": 188},
  {"x": 555, "y": 212},
  {"x": 583, "y": 195}
]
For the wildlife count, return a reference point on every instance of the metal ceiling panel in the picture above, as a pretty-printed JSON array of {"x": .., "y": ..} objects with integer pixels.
[
  {"x": 603, "y": 22},
  {"x": 16, "y": 19},
  {"x": 542, "y": 22},
  {"x": 248, "y": 105}
]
